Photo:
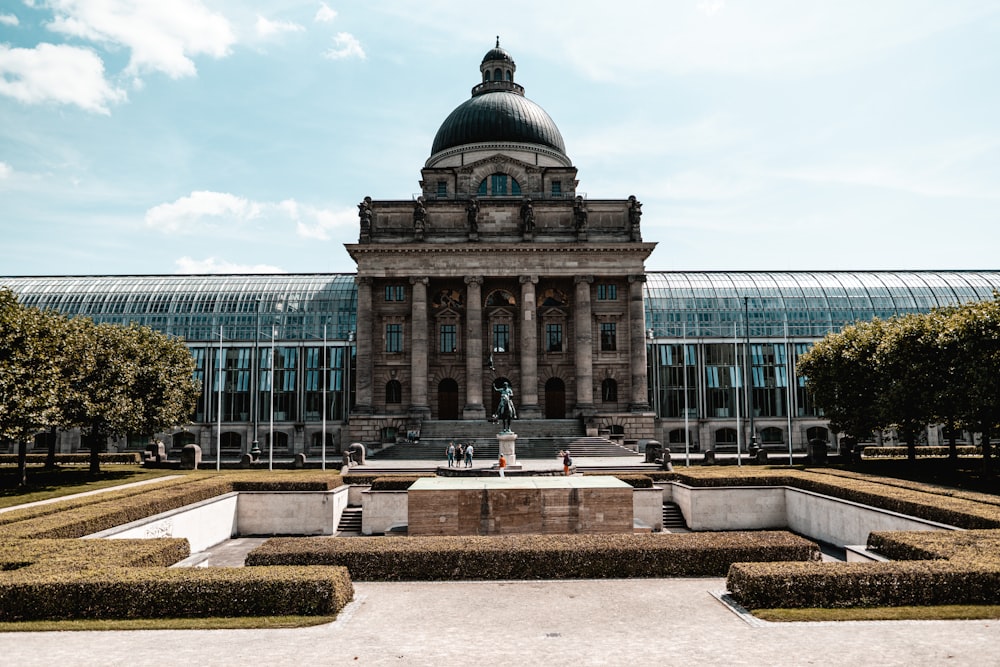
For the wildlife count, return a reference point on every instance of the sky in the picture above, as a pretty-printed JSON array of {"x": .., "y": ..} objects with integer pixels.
[{"x": 238, "y": 136}]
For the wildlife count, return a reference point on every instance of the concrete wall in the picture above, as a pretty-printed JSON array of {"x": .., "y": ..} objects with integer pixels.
[
  {"x": 204, "y": 524},
  {"x": 647, "y": 509},
  {"x": 381, "y": 511},
  {"x": 290, "y": 513},
  {"x": 819, "y": 517}
]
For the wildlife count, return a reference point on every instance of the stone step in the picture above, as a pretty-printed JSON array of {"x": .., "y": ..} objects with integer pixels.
[
  {"x": 673, "y": 520},
  {"x": 350, "y": 520}
]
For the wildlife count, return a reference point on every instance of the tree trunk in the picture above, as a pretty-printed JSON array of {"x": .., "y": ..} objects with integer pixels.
[
  {"x": 95, "y": 452},
  {"x": 22, "y": 462},
  {"x": 987, "y": 462},
  {"x": 952, "y": 444},
  {"x": 50, "y": 457}
]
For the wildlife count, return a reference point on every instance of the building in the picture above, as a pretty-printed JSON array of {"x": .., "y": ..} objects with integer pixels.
[{"x": 500, "y": 270}]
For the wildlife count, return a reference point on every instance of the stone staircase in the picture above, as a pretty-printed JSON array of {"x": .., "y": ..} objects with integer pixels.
[
  {"x": 536, "y": 439},
  {"x": 673, "y": 520},
  {"x": 350, "y": 521}
]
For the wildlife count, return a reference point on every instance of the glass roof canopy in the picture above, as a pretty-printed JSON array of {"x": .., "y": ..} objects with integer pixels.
[
  {"x": 194, "y": 307},
  {"x": 698, "y": 304},
  {"x": 705, "y": 304}
]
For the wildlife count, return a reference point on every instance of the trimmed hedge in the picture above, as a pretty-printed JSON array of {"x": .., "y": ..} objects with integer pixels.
[
  {"x": 842, "y": 585},
  {"x": 536, "y": 556},
  {"x": 175, "y": 593},
  {"x": 122, "y": 458},
  {"x": 393, "y": 483},
  {"x": 921, "y": 452},
  {"x": 42, "y": 577},
  {"x": 363, "y": 479}
]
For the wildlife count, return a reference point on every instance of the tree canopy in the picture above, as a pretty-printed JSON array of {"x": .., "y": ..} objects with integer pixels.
[
  {"x": 107, "y": 380},
  {"x": 941, "y": 367}
]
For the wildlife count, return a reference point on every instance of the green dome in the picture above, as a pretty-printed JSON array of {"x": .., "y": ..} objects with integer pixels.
[{"x": 498, "y": 116}]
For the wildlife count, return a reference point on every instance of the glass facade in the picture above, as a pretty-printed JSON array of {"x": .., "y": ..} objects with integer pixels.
[{"x": 717, "y": 342}]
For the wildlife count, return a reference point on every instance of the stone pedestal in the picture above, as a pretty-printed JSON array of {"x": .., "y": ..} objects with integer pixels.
[{"x": 507, "y": 441}]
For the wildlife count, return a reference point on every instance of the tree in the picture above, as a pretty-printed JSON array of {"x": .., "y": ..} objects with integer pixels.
[
  {"x": 31, "y": 385},
  {"x": 125, "y": 380},
  {"x": 841, "y": 374}
]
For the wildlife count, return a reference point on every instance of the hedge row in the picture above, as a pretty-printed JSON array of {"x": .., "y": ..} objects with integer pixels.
[
  {"x": 842, "y": 585},
  {"x": 393, "y": 482},
  {"x": 921, "y": 452},
  {"x": 174, "y": 593},
  {"x": 46, "y": 578},
  {"x": 103, "y": 512},
  {"x": 536, "y": 556},
  {"x": 123, "y": 458},
  {"x": 363, "y": 479}
]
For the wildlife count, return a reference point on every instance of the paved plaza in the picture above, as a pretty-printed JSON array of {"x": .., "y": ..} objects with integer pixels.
[{"x": 581, "y": 622}]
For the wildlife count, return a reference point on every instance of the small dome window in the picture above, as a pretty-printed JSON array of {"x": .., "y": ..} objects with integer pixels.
[
  {"x": 486, "y": 76},
  {"x": 510, "y": 77},
  {"x": 497, "y": 74}
]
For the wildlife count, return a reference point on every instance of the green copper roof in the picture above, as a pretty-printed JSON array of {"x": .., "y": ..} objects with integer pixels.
[{"x": 498, "y": 116}]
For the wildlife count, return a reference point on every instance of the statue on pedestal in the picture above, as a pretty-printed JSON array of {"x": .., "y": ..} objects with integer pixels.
[{"x": 505, "y": 411}]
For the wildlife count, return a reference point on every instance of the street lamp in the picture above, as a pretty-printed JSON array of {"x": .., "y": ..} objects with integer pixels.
[
  {"x": 749, "y": 375},
  {"x": 255, "y": 374}
]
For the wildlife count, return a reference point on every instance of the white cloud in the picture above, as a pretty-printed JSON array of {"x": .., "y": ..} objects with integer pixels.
[
  {"x": 711, "y": 6},
  {"x": 202, "y": 210},
  {"x": 324, "y": 14},
  {"x": 9, "y": 19},
  {"x": 162, "y": 36},
  {"x": 57, "y": 73},
  {"x": 345, "y": 45},
  {"x": 215, "y": 265},
  {"x": 268, "y": 28},
  {"x": 212, "y": 211},
  {"x": 5, "y": 170}
]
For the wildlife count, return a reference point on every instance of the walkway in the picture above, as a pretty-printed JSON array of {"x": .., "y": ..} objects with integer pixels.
[{"x": 580, "y": 622}]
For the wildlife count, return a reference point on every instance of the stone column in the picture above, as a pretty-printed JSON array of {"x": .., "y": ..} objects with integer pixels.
[
  {"x": 527, "y": 406},
  {"x": 419, "y": 408},
  {"x": 637, "y": 345},
  {"x": 365, "y": 337},
  {"x": 474, "y": 349},
  {"x": 584, "y": 341}
]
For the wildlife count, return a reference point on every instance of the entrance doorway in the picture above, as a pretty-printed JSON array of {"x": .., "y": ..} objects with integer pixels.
[
  {"x": 448, "y": 399},
  {"x": 555, "y": 399}
]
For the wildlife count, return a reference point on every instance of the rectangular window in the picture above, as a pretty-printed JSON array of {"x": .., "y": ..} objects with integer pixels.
[
  {"x": 442, "y": 190},
  {"x": 557, "y": 188},
  {"x": 394, "y": 293},
  {"x": 499, "y": 185},
  {"x": 449, "y": 340},
  {"x": 394, "y": 338},
  {"x": 607, "y": 292},
  {"x": 609, "y": 336},
  {"x": 553, "y": 337},
  {"x": 501, "y": 337}
]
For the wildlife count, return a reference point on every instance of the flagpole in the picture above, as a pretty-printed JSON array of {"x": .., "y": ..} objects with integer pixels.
[
  {"x": 323, "y": 379},
  {"x": 684, "y": 370},
  {"x": 737, "y": 381},
  {"x": 270, "y": 437},
  {"x": 218, "y": 434},
  {"x": 790, "y": 383}
]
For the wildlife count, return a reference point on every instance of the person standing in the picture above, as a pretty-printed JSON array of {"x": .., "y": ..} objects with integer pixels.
[
  {"x": 451, "y": 454},
  {"x": 567, "y": 462},
  {"x": 468, "y": 455},
  {"x": 501, "y": 464},
  {"x": 460, "y": 452}
]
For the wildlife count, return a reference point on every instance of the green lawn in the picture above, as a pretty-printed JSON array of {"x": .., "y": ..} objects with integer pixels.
[
  {"x": 942, "y": 613},
  {"x": 67, "y": 480}
]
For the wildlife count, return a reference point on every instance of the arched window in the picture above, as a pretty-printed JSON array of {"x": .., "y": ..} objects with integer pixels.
[
  {"x": 499, "y": 185},
  {"x": 818, "y": 433},
  {"x": 497, "y": 74},
  {"x": 609, "y": 391},
  {"x": 232, "y": 440},
  {"x": 510, "y": 77},
  {"x": 183, "y": 438},
  {"x": 280, "y": 440},
  {"x": 725, "y": 437},
  {"x": 393, "y": 392},
  {"x": 772, "y": 435},
  {"x": 486, "y": 76}
]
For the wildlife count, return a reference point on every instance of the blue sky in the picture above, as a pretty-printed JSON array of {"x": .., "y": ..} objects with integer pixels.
[{"x": 204, "y": 136}]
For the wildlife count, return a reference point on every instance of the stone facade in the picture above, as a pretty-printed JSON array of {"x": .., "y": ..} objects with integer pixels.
[{"x": 499, "y": 271}]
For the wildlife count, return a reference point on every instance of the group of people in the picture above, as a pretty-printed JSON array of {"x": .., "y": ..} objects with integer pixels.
[{"x": 460, "y": 454}]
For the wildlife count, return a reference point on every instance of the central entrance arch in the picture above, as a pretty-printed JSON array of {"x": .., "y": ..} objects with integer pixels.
[
  {"x": 448, "y": 399},
  {"x": 555, "y": 399}
]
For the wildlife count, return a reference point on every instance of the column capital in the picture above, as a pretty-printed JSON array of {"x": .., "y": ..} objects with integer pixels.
[
  {"x": 637, "y": 278},
  {"x": 528, "y": 279},
  {"x": 423, "y": 280},
  {"x": 469, "y": 280},
  {"x": 582, "y": 279}
]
